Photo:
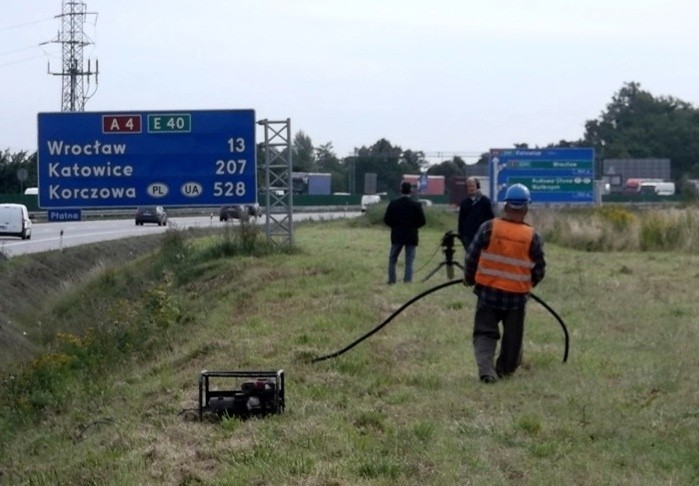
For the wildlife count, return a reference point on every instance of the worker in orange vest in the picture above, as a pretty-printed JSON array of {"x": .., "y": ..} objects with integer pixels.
[{"x": 506, "y": 260}]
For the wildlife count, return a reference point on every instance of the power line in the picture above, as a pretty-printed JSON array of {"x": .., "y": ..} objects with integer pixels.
[
  {"x": 451, "y": 155},
  {"x": 26, "y": 48},
  {"x": 19, "y": 50},
  {"x": 22, "y": 60},
  {"x": 427, "y": 155},
  {"x": 10, "y": 27}
]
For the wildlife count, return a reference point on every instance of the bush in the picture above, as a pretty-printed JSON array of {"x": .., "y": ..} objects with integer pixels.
[
  {"x": 669, "y": 230},
  {"x": 615, "y": 228},
  {"x": 620, "y": 217},
  {"x": 587, "y": 229}
]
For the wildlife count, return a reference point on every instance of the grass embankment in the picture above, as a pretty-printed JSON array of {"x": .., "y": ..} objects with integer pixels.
[{"x": 112, "y": 398}]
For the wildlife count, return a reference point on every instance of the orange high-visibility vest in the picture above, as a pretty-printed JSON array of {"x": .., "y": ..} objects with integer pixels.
[{"x": 505, "y": 263}]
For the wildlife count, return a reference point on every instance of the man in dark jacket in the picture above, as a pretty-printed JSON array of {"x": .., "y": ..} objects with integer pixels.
[
  {"x": 475, "y": 210},
  {"x": 404, "y": 216}
]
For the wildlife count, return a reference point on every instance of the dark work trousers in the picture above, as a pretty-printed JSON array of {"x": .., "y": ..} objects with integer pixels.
[{"x": 486, "y": 334}]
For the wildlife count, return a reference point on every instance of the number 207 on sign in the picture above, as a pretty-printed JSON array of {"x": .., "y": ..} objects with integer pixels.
[{"x": 230, "y": 167}]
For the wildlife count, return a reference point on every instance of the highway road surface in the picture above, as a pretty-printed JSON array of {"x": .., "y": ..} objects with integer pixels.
[{"x": 56, "y": 236}]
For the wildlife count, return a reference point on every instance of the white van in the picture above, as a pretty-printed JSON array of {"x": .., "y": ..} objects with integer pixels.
[
  {"x": 665, "y": 188},
  {"x": 14, "y": 221},
  {"x": 368, "y": 200},
  {"x": 659, "y": 188}
]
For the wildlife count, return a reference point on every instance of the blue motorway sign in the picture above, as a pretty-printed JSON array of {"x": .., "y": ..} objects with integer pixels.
[
  {"x": 63, "y": 215},
  {"x": 165, "y": 158},
  {"x": 553, "y": 175}
]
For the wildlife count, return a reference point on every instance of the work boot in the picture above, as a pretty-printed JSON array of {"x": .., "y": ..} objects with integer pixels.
[{"x": 484, "y": 350}]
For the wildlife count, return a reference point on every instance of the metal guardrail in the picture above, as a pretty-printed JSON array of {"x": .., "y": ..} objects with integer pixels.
[{"x": 96, "y": 214}]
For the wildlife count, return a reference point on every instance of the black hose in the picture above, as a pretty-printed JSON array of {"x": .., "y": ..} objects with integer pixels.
[
  {"x": 560, "y": 321},
  {"x": 420, "y": 296},
  {"x": 389, "y": 319}
]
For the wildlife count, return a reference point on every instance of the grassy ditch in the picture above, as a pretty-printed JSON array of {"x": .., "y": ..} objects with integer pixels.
[{"x": 112, "y": 398}]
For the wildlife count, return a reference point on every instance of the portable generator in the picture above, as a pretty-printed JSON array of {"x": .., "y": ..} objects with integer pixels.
[{"x": 241, "y": 394}]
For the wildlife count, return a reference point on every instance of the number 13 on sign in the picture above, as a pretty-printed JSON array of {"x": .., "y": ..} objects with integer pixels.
[{"x": 236, "y": 144}]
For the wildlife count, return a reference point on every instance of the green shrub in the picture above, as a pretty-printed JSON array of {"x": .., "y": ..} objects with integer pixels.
[
  {"x": 246, "y": 239},
  {"x": 620, "y": 217},
  {"x": 669, "y": 230},
  {"x": 614, "y": 228}
]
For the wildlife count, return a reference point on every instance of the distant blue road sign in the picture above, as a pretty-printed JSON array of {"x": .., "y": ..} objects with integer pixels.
[
  {"x": 165, "y": 158},
  {"x": 63, "y": 215},
  {"x": 553, "y": 175}
]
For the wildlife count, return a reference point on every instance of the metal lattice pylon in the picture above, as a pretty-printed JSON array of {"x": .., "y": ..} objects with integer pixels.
[
  {"x": 73, "y": 39},
  {"x": 276, "y": 148}
]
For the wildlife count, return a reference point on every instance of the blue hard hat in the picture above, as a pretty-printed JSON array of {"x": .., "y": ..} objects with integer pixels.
[{"x": 517, "y": 196}]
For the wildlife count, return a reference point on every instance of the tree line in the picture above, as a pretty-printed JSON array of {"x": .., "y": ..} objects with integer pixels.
[
  {"x": 635, "y": 124},
  {"x": 14, "y": 164}
]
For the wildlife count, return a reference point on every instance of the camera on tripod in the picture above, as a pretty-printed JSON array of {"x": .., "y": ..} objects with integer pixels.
[
  {"x": 447, "y": 245},
  {"x": 448, "y": 240}
]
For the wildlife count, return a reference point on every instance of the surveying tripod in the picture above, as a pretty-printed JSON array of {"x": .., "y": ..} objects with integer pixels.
[{"x": 448, "y": 250}]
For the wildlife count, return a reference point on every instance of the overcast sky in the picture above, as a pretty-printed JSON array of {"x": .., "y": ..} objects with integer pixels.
[{"x": 447, "y": 76}]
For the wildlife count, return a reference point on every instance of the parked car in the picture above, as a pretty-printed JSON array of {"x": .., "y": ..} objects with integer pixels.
[
  {"x": 14, "y": 221},
  {"x": 151, "y": 214},
  {"x": 243, "y": 212}
]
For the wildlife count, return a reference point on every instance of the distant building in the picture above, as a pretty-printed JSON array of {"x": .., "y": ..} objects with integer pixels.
[
  {"x": 311, "y": 183},
  {"x": 431, "y": 185},
  {"x": 458, "y": 191},
  {"x": 616, "y": 172},
  {"x": 456, "y": 185},
  {"x": 478, "y": 170}
]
